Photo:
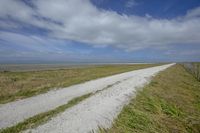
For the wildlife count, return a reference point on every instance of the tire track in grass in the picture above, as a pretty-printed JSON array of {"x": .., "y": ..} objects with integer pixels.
[
  {"x": 100, "y": 109},
  {"x": 46, "y": 116}
]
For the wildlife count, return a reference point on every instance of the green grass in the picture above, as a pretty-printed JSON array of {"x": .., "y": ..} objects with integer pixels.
[
  {"x": 43, "y": 117},
  {"x": 18, "y": 85},
  {"x": 169, "y": 104}
]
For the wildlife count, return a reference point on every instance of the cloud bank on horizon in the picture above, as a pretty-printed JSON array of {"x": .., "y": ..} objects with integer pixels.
[{"x": 44, "y": 25}]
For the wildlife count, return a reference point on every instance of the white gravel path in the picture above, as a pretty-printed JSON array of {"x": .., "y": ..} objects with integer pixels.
[
  {"x": 103, "y": 107},
  {"x": 14, "y": 112}
]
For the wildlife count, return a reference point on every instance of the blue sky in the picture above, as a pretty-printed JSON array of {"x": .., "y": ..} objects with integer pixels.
[{"x": 42, "y": 31}]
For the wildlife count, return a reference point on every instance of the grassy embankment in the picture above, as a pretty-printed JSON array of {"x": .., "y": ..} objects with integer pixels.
[
  {"x": 169, "y": 104},
  {"x": 18, "y": 85},
  {"x": 193, "y": 68}
]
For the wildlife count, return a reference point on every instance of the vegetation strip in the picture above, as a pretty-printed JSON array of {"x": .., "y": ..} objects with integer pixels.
[
  {"x": 193, "y": 68},
  {"x": 43, "y": 117},
  {"x": 170, "y": 103},
  {"x": 18, "y": 85}
]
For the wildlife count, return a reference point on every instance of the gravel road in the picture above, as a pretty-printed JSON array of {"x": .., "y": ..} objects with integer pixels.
[
  {"x": 14, "y": 112},
  {"x": 100, "y": 109}
]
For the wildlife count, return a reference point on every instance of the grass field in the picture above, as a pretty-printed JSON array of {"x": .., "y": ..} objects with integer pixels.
[
  {"x": 38, "y": 67},
  {"x": 169, "y": 104},
  {"x": 18, "y": 85}
]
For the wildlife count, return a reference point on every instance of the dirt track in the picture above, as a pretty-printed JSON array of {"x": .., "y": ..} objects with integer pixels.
[{"x": 102, "y": 108}]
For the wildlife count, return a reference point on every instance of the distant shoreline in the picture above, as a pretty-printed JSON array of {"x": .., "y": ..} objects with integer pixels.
[{"x": 40, "y": 67}]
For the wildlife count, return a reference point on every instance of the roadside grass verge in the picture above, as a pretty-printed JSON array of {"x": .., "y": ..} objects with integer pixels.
[
  {"x": 193, "y": 68},
  {"x": 43, "y": 117},
  {"x": 19, "y": 85},
  {"x": 169, "y": 104}
]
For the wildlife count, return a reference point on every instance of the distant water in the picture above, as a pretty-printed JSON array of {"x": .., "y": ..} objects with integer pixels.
[{"x": 36, "y": 67}]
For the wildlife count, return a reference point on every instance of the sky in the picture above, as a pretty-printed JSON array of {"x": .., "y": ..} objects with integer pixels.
[{"x": 41, "y": 31}]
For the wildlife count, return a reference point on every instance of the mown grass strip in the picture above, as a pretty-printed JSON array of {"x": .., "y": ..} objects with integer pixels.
[
  {"x": 19, "y": 85},
  {"x": 170, "y": 103},
  {"x": 43, "y": 117}
]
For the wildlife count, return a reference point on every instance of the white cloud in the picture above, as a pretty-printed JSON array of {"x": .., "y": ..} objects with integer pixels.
[
  {"x": 31, "y": 42},
  {"x": 81, "y": 21},
  {"x": 131, "y": 3},
  {"x": 193, "y": 13}
]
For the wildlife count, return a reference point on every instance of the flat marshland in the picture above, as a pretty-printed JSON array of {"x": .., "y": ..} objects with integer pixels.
[
  {"x": 170, "y": 103},
  {"x": 18, "y": 85},
  {"x": 103, "y": 99}
]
